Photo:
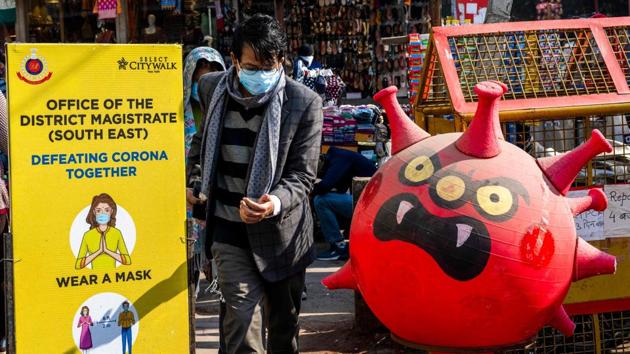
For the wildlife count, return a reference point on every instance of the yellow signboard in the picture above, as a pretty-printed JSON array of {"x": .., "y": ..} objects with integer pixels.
[{"x": 98, "y": 202}]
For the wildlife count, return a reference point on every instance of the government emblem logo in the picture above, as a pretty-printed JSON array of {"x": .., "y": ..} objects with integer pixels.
[{"x": 34, "y": 69}]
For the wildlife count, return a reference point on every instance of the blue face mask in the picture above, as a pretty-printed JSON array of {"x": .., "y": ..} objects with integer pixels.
[
  {"x": 194, "y": 93},
  {"x": 102, "y": 219},
  {"x": 258, "y": 82}
]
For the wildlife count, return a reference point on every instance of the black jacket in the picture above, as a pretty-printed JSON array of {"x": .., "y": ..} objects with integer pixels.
[
  {"x": 282, "y": 245},
  {"x": 339, "y": 169}
]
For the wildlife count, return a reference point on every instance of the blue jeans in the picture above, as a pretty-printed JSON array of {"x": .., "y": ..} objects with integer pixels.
[
  {"x": 331, "y": 207},
  {"x": 126, "y": 339}
]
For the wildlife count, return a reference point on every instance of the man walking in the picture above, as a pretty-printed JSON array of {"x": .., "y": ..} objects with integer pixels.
[{"x": 259, "y": 149}]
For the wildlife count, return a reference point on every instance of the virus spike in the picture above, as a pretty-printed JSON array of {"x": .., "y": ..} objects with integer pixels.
[
  {"x": 562, "y": 169},
  {"x": 481, "y": 139},
  {"x": 341, "y": 279},
  {"x": 497, "y": 122},
  {"x": 562, "y": 322},
  {"x": 589, "y": 261},
  {"x": 595, "y": 200},
  {"x": 404, "y": 131}
]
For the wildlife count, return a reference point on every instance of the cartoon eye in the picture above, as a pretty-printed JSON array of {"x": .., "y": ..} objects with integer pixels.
[
  {"x": 495, "y": 201},
  {"x": 418, "y": 170},
  {"x": 450, "y": 188},
  {"x": 451, "y": 191}
]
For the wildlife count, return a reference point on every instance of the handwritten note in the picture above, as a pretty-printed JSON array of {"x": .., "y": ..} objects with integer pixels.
[
  {"x": 617, "y": 216},
  {"x": 590, "y": 224}
]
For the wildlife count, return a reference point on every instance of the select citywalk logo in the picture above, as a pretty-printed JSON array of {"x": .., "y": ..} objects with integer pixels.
[
  {"x": 149, "y": 64},
  {"x": 34, "y": 69}
]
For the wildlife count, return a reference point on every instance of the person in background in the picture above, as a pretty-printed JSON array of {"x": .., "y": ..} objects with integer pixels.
[
  {"x": 258, "y": 151},
  {"x": 331, "y": 198},
  {"x": 200, "y": 61},
  {"x": 305, "y": 60}
]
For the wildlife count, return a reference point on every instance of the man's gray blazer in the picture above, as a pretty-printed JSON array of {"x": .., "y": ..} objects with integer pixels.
[{"x": 281, "y": 245}]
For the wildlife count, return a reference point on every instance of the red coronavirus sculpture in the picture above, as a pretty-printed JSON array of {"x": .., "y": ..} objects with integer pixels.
[{"x": 464, "y": 240}]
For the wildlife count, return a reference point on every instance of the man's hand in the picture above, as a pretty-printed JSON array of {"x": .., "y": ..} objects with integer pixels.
[
  {"x": 190, "y": 197},
  {"x": 254, "y": 212}
]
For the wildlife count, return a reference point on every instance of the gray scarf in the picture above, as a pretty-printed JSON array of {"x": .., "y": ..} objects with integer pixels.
[{"x": 265, "y": 154}]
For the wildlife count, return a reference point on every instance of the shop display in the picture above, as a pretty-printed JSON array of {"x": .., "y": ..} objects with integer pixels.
[
  {"x": 107, "y": 9},
  {"x": 347, "y": 37},
  {"x": 549, "y": 10},
  {"x": 7, "y": 12},
  {"x": 225, "y": 28},
  {"x": 152, "y": 33},
  {"x": 395, "y": 20},
  {"x": 390, "y": 58},
  {"x": 326, "y": 83},
  {"x": 342, "y": 36},
  {"x": 160, "y": 21},
  {"x": 349, "y": 125},
  {"x": 416, "y": 51},
  {"x": 473, "y": 226},
  {"x": 472, "y": 11}
]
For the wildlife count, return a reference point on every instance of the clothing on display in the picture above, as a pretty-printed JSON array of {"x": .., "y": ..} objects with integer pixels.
[
  {"x": 549, "y": 10},
  {"x": 107, "y": 9},
  {"x": 7, "y": 11},
  {"x": 348, "y": 124},
  {"x": 326, "y": 83},
  {"x": 168, "y": 4}
]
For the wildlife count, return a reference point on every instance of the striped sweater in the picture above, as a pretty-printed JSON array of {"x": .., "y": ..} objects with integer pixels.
[{"x": 238, "y": 138}]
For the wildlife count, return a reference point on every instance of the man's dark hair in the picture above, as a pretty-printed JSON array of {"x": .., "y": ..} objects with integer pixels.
[
  {"x": 305, "y": 50},
  {"x": 263, "y": 34}
]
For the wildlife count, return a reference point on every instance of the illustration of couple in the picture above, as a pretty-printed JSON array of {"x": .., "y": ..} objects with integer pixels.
[
  {"x": 103, "y": 244},
  {"x": 126, "y": 320}
]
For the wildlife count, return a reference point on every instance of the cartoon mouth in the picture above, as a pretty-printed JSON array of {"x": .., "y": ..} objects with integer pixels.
[{"x": 460, "y": 245}]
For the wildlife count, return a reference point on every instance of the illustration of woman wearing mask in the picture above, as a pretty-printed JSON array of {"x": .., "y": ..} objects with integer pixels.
[
  {"x": 85, "y": 321},
  {"x": 103, "y": 245}
]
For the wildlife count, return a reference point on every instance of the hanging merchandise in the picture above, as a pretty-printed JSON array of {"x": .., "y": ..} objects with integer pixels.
[
  {"x": 549, "y": 10},
  {"x": 342, "y": 37},
  {"x": 168, "y": 4},
  {"x": 472, "y": 10},
  {"x": 390, "y": 58},
  {"x": 7, "y": 11},
  {"x": 107, "y": 9},
  {"x": 326, "y": 83},
  {"x": 416, "y": 51},
  {"x": 225, "y": 29}
]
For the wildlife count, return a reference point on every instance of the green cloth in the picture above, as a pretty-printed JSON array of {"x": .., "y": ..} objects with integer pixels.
[{"x": 7, "y": 11}]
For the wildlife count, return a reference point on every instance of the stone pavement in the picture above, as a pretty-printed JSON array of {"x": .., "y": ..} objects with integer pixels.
[{"x": 326, "y": 317}]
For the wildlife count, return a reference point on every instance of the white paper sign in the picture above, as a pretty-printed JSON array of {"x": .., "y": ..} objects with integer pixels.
[
  {"x": 590, "y": 224},
  {"x": 617, "y": 216}
]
